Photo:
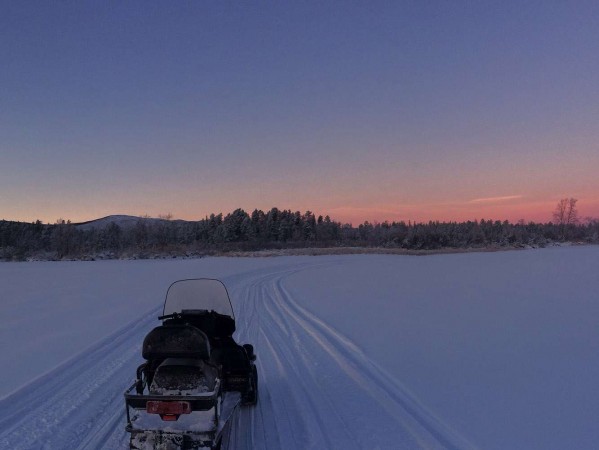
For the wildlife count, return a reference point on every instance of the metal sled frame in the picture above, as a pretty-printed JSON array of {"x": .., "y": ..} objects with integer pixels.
[{"x": 198, "y": 402}]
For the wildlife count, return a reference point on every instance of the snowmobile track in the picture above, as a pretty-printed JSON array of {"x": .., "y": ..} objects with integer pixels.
[
  {"x": 319, "y": 382},
  {"x": 317, "y": 388},
  {"x": 75, "y": 405}
]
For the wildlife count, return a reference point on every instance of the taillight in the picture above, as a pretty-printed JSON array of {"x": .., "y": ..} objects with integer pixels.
[
  {"x": 169, "y": 417},
  {"x": 169, "y": 411}
]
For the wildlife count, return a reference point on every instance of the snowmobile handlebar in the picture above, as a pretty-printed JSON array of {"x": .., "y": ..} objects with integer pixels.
[
  {"x": 170, "y": 316},
  {"x": 185, "y": 312}
]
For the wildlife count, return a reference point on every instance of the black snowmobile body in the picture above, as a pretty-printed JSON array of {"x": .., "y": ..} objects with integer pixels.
[{"x": 195, "y": 374}]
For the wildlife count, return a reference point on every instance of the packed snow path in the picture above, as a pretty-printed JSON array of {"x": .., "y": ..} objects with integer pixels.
[{"x": 317, "y": 389}]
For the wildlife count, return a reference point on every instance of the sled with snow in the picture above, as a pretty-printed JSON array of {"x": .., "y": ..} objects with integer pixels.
[{"x": 195, "y": 375}]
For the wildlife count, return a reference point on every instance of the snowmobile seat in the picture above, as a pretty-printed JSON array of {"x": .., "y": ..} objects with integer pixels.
[
  {"x": 213, "y": 324},
  {"x": 176, "y": 341},
  {"x": 184, "y": 376}
]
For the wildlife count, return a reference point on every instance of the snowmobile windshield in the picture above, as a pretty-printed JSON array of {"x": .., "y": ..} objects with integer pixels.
[{"x": 198, "y": 295}]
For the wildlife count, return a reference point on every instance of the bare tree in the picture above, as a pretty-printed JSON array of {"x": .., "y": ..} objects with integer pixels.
[{"x": 565, "y": 214}]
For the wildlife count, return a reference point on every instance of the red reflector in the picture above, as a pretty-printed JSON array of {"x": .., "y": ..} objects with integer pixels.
[
  {"x": 169, "y": 417},
  {"x": 168, "y": 408}
]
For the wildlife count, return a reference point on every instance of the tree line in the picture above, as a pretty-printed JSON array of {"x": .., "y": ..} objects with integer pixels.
[{"x": 276, "y": 229}]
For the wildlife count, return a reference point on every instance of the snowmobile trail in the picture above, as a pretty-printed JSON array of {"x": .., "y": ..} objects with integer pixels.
[
  {"x": 317, "y": 389},
  {"x": 80, "y": 403}
]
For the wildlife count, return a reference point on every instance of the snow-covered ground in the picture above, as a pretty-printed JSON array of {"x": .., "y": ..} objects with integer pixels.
[{"x": 483, "y": 350}]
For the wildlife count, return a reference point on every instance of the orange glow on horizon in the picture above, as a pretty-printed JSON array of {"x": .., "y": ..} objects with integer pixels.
[
  {"x": 512, "y": 208},
  {"x": 540, "y": 211}
]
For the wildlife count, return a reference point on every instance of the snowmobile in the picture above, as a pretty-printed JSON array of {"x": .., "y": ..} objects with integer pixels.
[{"x": 194, "y": 376}]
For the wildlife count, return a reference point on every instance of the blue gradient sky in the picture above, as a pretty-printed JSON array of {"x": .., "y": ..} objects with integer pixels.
[{"x": 363, "y": 110}]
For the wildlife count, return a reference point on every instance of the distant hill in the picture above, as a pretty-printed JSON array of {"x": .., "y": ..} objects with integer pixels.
[{"x": 122, "y": 220}]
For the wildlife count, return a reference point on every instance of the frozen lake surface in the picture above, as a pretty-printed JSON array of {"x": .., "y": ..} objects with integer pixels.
[{"x": 481, "y": 350}]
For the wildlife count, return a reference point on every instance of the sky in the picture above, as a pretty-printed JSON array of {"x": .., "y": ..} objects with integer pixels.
[{"x": 373, "y": 110}]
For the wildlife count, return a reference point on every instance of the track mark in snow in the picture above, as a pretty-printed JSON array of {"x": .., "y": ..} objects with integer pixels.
[
  {"x": 317, "y": 389},
  {"x": 322, "y": 390},
  {"x": 80, "y": 403}
]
